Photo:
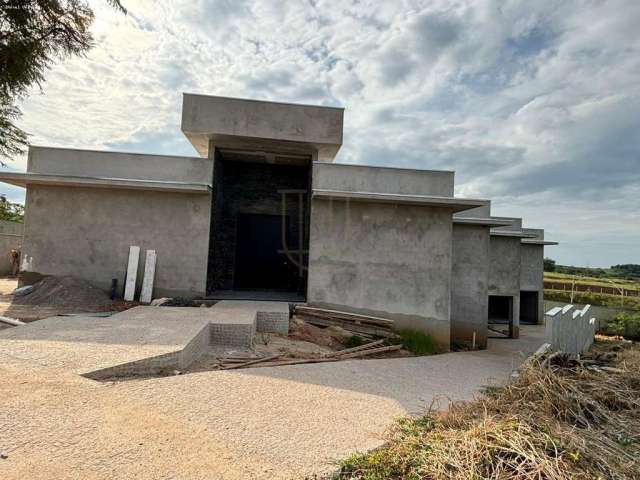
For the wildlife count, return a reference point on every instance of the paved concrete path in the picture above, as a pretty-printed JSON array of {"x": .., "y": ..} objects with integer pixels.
[{"x": 277, "y": 422}]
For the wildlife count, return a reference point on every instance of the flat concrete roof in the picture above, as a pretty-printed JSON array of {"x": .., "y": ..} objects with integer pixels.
[
  {"x": 24, "y": 179},
  {"x": 485, "y": 221},
  {"x": 456, "y": 204},
  {"x": 261, "y": 125}
]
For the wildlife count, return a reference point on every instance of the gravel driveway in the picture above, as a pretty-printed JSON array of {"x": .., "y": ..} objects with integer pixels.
[{"x": 277, "y": 422}]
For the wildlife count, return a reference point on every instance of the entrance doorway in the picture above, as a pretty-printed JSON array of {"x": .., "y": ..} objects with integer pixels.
[
  {"x": 261, "y": 262},
  {"x": 260, "y": 213}
]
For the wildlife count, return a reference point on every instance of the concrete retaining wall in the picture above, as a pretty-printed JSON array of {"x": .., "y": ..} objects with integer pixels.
[{"x": 384, "y": 260}]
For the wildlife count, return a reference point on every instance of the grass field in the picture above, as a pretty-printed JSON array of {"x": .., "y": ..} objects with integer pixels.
[
  {"x": 590, "y": 298},
  {"x": 596, "y": 282}
]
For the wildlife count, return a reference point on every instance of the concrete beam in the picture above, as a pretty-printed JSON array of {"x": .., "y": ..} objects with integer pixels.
[
  {"x": 456, "y": 204},
  {"x": 25, "y": 179}
]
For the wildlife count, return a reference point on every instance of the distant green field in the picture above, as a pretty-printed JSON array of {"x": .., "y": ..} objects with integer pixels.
[
  {"x": 596, "y": 282},
  {"x": 593, "y": 299}
]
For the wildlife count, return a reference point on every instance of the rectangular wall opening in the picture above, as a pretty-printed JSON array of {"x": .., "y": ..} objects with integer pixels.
[
  {"x": 258, "y": 246},
  {"x": 529, "y": 308},
  {"x": 501, "y": 315}
]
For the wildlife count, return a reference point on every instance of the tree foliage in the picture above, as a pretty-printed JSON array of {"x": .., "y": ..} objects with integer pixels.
[
  {"x": 549, "y": 265},
  {"x": 11, "y": 211},
  {"x": 34, "y": 34}
]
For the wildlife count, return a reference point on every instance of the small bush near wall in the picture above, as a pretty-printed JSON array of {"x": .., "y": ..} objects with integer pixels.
[
  {"x": 417, "y": 342},
  {"x": 626, "y": 325}
]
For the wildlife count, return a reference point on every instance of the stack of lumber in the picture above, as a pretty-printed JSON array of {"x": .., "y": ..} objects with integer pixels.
[
  {"x": 372, "y": 348},
  {"x": 363, "y": 324}
]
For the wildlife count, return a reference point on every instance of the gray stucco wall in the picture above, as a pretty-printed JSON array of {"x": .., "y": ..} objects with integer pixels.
[
  {"x": 384, "y": 260},
  {"x": 504, "y": 272},
  {"x": 469, "y": 284},
  {"x": 87, "y": 233},
  {"x": 361, "y": 178},
  {"x": 532, "y": 273},
  {"x": 66, "y": 161}
]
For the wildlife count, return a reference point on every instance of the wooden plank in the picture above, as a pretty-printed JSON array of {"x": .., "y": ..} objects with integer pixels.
[
  {"x": 295, "y": 362},
  {"x": 353, "y": 317},
  {"x": 149, "y": 275},
  {"x": 354, "y": 349},
  {"x": 252, "y": 362},
  {"x": 366, "y": 329},
  {"x": 371, "y": 351},
  {"x": 132, "y": 273}
]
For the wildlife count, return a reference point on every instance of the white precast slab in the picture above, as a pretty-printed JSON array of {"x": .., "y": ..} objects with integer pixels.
[
  {"x": 132, "y": 273},
  {"x": 149, "y": 275}
]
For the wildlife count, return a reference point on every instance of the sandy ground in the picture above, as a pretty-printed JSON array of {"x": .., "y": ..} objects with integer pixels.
[{"x": 268, "y": 423}]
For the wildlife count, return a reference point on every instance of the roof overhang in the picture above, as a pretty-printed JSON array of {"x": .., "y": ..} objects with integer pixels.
[
  {"x": 483, "y": 221},
  {"x": 25, "y": 179},
  {"x": 455, "y": 204},
  {"x": 246, "y": 124},
  {"x": 533, "y": 241},
  {"x": 512, "y": 234}
]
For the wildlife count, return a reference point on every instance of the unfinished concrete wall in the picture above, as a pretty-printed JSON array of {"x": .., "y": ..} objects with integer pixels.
[
  {"x": 87, "y": 232},
  {"x": 66, "y": 161},
  {"x": 469, "y": 284},
  {"x": 381, "y": 259},
  {"x": 361, "y": 178},
  {"x": 504, "y": 272}
]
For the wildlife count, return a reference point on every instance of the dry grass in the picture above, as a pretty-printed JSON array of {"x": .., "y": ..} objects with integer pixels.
[{"x": 559, "y": 420}]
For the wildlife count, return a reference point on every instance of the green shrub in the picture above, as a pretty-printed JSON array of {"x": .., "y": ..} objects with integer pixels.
[
  {"x": 354, "y": 341},
  {"x": 417, "y": 342},
  {"x": 626, "y": 325}
]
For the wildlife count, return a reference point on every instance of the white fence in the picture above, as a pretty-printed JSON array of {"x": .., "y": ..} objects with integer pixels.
[{"x": 569, "y": 329}]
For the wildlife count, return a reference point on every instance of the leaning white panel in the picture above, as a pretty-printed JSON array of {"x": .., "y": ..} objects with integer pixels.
[
  {"x": 132, "y": 273},
  {"x": 149, "y": 275}
]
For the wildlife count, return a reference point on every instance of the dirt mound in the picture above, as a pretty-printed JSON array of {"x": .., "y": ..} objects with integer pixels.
[{"x": 64, "y": 292}]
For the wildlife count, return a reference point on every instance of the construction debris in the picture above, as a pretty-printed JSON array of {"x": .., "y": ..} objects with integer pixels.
[
  {"x": 373, "y": 348},
  {"x": 362, "y": 324},
  {"x": 64, "y": 291},
  {"x": 11, "y": 321}
]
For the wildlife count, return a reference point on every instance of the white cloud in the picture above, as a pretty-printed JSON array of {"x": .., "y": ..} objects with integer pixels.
[{"x": 534, "y": 104}]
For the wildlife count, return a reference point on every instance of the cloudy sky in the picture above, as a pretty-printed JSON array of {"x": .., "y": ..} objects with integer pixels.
[{"x": 535, "y": 105}]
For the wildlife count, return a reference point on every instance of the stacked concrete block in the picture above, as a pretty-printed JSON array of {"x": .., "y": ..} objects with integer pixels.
[{"x": 570, "y": 330}]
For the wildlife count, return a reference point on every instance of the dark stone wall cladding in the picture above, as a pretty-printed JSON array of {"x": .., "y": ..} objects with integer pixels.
[{"x": 243, "y": 187}]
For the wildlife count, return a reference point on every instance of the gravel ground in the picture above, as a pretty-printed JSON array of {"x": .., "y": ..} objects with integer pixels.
[{"x": 272, "y": 423}]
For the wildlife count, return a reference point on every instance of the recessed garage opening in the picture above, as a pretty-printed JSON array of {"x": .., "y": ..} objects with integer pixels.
[
  {"x": 529, "y": 308},
  {"x": 259, "y": 226},
  {"x": 500, "y": 315}
]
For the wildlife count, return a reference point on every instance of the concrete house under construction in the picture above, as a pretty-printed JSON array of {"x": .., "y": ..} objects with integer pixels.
[{"x": 264, "y": 213}]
